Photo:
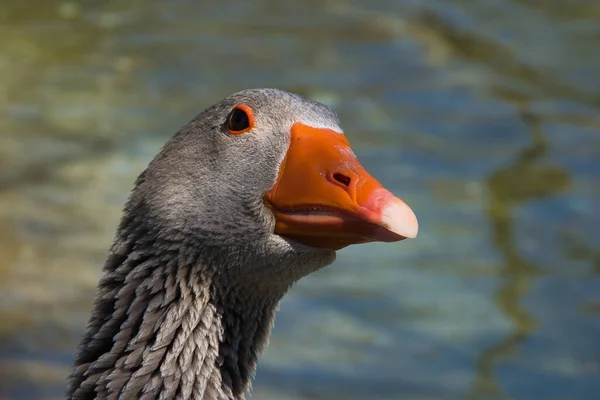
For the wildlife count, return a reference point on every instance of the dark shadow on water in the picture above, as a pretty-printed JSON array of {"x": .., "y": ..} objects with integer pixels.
[{"x": 562, "y": 10}]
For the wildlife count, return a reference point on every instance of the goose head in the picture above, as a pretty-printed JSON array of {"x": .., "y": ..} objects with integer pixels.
[{"x": 271, "y": 174}]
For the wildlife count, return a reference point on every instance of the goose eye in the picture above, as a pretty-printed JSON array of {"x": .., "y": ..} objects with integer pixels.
[{"x": 240, "y": 120}]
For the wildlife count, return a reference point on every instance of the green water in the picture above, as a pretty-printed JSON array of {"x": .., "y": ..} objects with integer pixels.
[{"x": 483, "y": 115}]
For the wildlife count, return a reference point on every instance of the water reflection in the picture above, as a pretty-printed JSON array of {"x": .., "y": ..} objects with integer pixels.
[
  {"x": 484, "y": 115},
  {"x": 528, "y": 178},
  {"x": 519, "y": 79}
]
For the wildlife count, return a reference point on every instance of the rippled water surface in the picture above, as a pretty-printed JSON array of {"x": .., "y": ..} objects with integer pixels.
[{"x": 483, "y": 115}]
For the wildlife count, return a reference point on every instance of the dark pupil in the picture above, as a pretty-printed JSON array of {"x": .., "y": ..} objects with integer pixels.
[{"x": 238, "y": 120}]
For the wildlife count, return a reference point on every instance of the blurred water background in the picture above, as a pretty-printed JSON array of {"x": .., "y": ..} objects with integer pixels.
[{"x": 483, "y": 115}]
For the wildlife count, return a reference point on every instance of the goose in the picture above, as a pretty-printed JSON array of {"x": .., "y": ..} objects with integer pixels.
[{"x": 254, "y": 193}]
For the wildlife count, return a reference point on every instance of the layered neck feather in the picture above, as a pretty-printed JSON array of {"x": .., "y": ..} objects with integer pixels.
[{"x": 165, "y": 326}]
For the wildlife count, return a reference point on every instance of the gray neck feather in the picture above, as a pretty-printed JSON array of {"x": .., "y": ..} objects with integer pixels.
[{"x": 165, "y": 326}]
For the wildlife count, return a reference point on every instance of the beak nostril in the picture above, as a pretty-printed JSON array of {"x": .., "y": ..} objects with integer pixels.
[{"x": 343, "y": 179}]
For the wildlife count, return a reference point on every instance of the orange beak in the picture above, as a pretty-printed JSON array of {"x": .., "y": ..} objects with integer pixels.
[{"x": 324, "y": 197}]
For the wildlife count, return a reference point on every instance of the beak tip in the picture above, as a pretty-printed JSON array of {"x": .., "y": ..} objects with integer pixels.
[{"x": 400, "y": 219}]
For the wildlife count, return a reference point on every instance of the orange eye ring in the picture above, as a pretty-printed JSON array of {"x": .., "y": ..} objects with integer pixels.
[{"x": 240, "y": 120}]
